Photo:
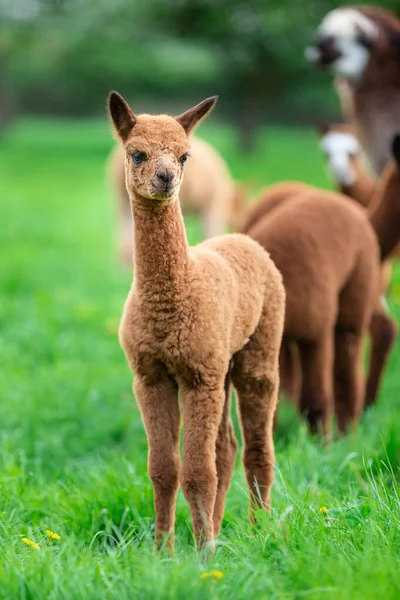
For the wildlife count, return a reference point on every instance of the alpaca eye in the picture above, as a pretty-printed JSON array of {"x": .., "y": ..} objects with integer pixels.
[
  {"x": 138, "y": 157},
  {"x": 183, "y": 158}
]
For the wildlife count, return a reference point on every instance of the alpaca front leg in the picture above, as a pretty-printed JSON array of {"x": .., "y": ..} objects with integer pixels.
[
  {"x": 158, "y": 403},
  {"x": 202, "y": 410}
]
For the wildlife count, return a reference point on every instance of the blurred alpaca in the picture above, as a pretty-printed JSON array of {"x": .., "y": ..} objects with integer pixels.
[
  {"x": 326, "y": 250},
  {"x": 207, "y": 189},
  {"x": 328, "y": 255},
  {"x": 344, "y": 161},
  {"x": 361, "y": 46}
]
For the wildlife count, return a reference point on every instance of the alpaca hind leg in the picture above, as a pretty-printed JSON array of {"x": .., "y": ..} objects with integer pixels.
[
  {"x": 348, "y": 377},
  {"x": 255, "y": 376},
  {"x": 158, "y": 403},
  {"x": 289, "y": 364},
  {"x": 383, "y": 335},
  {"x": 226, "y": 448},
  {"x": 354, "y": 317},
  {"x": 202, "y": 409},
  {"x": 316, "y": 360}
]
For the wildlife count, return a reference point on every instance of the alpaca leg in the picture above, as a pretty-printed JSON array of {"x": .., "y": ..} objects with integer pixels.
[
  {"x": 255, "y": 376},
  {"x": 158, "y": 403},
  {"x": 348, "y": 377},
  {"x": 202, "y": 410},
  {"x": 226, "y": 453},
  {"x": 289, "y": 364},
  {"x": 316, "y": 393},
  {"x": 383, "y": 335}
]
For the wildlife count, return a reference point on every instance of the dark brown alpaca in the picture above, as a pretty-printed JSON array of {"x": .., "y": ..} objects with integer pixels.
[
  {"x": 361, "y": 45},
  {"x": 195, "y": 320},
  {"x": 343, "y": 156},
  {"x": 327, "y": 253},
  {"x": 385, "y": 210},
  {"x": 309, "y": 223}
]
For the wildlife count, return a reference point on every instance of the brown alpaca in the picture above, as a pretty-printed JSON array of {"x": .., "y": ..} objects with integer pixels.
[
  {"x": 343, "y": 155},
  {"x": 328, "y": 255},
  {"x": 207, "y": 189},
  {"x": 361, "y": 46},
  {"x": 385, "y": 210},
  {"x": 195, "y": 320}
]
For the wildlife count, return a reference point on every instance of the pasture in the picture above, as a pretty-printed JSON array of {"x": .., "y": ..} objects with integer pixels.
[{"x": 72, "y": 446}]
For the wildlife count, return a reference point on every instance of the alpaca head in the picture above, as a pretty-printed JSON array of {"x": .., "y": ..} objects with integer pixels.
[
  {"x": 156, "y": 148},
  {"x": 345, "y": 40},
  {"x": 341, "y": 149}
]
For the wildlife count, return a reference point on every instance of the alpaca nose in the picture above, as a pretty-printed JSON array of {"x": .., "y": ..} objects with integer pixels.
[{"x": 165, "y": 175}]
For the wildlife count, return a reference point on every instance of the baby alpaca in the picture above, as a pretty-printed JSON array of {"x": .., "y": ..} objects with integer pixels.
[
  {"x": 207, "y": 189},
  {"x": 195, "y": 320}
]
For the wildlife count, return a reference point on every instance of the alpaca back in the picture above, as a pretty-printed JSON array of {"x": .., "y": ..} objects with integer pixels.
[{"x": 316, "y": 241}]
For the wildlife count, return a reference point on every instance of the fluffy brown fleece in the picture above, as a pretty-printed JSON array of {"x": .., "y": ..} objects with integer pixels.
[
  {"x": 328, "y": 255},
  {"x": 195, "y": 320},
  {"x": 207, "y": 189}
]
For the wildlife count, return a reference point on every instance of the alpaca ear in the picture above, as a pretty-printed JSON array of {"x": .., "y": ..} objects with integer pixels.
[
  {"x": 322, "y": 127},
  {"x": 396, "y": 149},
  {"x": 193, "y": 116},
  {"x": 123, "y": 118}
]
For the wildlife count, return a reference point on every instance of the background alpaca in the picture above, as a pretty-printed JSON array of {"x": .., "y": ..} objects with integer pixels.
[
  {"x": 327, "y": 253},
  {"x": 195, "y": 319},
  {"x": 361, "y": 45},
  {"x": 207, "y": 189},
  {"x": 385, "y": 210},
  {"x": 344, "y": 162}
]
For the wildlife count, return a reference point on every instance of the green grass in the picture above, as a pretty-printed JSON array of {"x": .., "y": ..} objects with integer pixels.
[{"x": 72, "y": 446}]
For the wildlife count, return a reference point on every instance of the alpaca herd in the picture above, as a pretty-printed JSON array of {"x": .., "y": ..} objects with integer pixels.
[{"x": 286, "y": 303}]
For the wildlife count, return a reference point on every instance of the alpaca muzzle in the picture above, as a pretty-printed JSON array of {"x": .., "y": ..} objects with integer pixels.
[{"x": 324, "y": 53}]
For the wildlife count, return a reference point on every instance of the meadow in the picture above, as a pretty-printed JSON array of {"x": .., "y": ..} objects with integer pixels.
[{"x": 72, "y": 446}]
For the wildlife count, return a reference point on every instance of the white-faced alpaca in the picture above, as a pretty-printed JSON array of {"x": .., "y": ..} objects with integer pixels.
[
  {"x": 344, "y": 162},
  {"x": 195, "y": 320},
  {"x": 207, "y": 189},
  {"x": 361, "y": 46}
]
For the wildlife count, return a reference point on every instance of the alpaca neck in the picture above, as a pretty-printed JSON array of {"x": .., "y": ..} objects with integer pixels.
[
  {"x": 361, "y": 187},
  {"x": 385, "y": 213},
  {"x": 161, "y": 252}
]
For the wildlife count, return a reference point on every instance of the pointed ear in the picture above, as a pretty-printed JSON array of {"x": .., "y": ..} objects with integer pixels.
[
  {"x": 396, "y": 149},
  {"x": 193, "y": 116},
  {"x": 123, "y": 118},
  {"x": 322, "y": 127}
]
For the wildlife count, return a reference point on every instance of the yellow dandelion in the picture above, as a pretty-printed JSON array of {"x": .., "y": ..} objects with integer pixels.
[
  {"x": 31, "y": 543},
  {"x": 212, "y": 575},
  {"x": 52, "y": 536},
  {"x": 323, "y": 510}
]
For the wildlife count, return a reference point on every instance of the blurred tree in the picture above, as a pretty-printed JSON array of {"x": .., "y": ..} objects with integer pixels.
[{"x": 63, "y": 56}]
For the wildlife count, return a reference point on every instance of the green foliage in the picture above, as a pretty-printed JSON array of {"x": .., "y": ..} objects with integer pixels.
[
  {"x": 65, "y": 56},
  {"x": 72, "y": 446}
]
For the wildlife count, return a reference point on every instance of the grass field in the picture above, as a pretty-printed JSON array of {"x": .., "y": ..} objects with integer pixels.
[{"x": 72, "y": 446}]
